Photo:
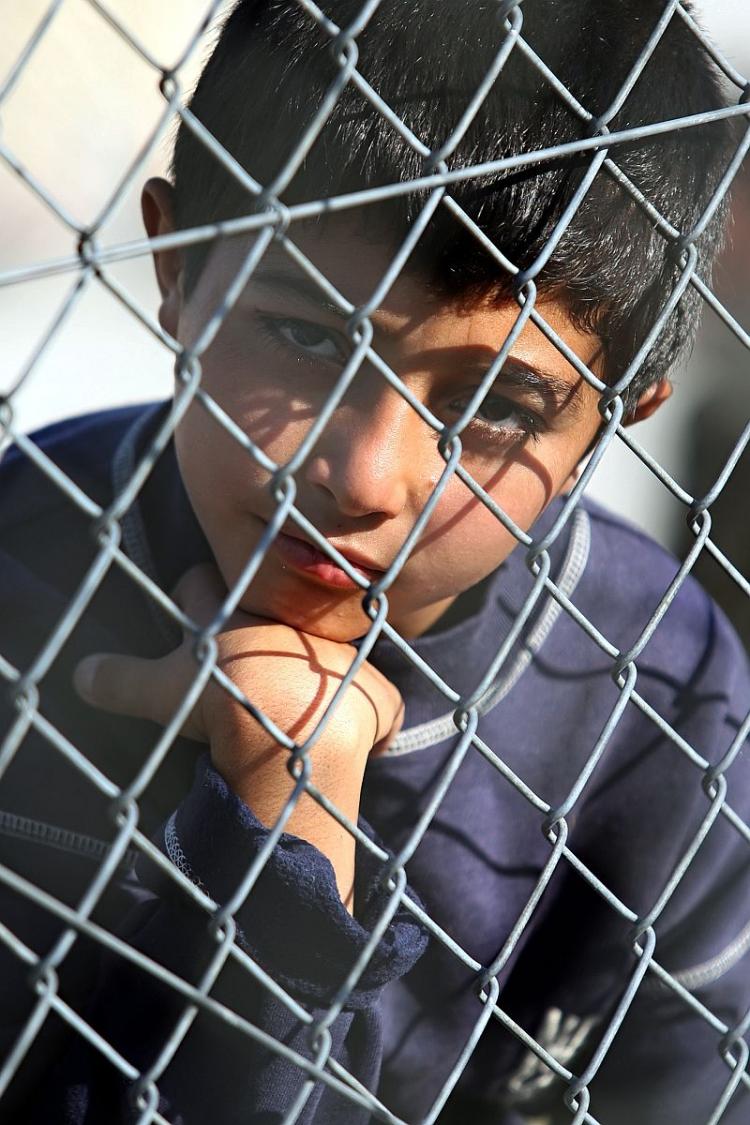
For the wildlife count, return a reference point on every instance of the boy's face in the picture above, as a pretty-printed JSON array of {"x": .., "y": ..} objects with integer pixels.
[{"x": 271, "y": 367}]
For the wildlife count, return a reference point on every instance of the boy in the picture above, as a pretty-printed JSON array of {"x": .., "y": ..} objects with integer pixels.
[{"x": 393, "y": 1043}]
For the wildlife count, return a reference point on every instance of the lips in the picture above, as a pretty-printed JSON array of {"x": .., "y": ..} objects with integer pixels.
[{"x": 303, "y": 556}]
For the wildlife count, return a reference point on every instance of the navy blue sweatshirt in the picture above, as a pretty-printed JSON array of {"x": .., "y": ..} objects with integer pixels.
[{"x": 418, "y": 1002}]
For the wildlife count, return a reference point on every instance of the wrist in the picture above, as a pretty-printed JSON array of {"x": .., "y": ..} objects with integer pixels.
[{"x": 265, "y": 786}]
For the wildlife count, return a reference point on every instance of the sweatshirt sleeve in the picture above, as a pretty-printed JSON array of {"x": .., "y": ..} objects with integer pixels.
[
  {"x": 292, "y": 926},
  {"x": 675, "y": 1057}
]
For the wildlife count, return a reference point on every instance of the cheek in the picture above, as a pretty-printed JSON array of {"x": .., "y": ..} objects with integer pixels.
[
  {"x": 466, "y": 537},
  {"x": 270, "y": 408},
  {"x": 214, "y": 464},
  {"x": 219, "y": 475},
  {"x": 526, "y": 483},
  {"x": 521, "y": 487}
]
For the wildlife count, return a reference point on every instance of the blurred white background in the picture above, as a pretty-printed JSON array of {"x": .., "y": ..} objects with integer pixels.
[{"x": 78, "y": 117}]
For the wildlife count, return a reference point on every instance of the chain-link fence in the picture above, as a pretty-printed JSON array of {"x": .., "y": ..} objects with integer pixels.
[{"x": 541, "y": 1052}]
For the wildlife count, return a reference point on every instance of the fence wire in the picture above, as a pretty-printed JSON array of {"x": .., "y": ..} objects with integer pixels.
[{"x": 274, "y": 223}]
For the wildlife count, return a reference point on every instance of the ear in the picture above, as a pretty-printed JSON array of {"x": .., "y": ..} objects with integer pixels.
[
  {"x": 156, "y": 208},
  {"x": 649, "y": 402}
]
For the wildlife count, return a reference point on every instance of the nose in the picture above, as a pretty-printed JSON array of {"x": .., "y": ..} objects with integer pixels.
[{"x": 366, "y": 455}]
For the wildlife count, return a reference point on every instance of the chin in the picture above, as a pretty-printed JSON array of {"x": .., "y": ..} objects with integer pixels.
[{"x": 332, "y": 622}]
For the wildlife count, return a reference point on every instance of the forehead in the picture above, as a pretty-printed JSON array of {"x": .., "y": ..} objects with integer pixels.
[{"x": 410, "y": 311}]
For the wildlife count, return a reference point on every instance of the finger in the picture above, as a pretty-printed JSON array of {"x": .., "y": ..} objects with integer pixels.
[
  {"x": 124, "y": 685},
  {"x": 200, "y": 592}
]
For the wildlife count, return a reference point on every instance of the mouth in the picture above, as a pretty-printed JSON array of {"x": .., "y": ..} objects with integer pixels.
[{"x": 301, "y": 556}]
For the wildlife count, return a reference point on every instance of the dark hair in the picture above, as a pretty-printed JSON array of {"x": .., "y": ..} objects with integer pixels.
[{"x": 272, "y": 64}]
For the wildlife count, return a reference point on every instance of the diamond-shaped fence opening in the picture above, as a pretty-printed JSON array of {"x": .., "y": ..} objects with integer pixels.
[{"x": 549, "y": 877}]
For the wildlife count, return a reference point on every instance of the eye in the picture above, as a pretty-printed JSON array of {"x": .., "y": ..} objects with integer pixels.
[
  {"x": 501, "y": 416},
  {"x": 307, "y": 337}
]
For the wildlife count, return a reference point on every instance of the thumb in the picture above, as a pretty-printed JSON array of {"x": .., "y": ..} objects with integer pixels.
[{"x": 121, "y": 684}]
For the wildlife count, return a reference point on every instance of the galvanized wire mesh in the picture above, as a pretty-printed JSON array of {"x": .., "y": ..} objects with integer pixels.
[{"x": 273, "y": 222}]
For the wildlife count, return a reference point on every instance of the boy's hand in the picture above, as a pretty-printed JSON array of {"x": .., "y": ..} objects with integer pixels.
[{"x": 291, "y": 676}]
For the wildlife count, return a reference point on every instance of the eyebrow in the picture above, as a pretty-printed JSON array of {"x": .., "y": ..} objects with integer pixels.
[
  {"x": 557, "y": 392},
  {"x": 296, "y": 284}
]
